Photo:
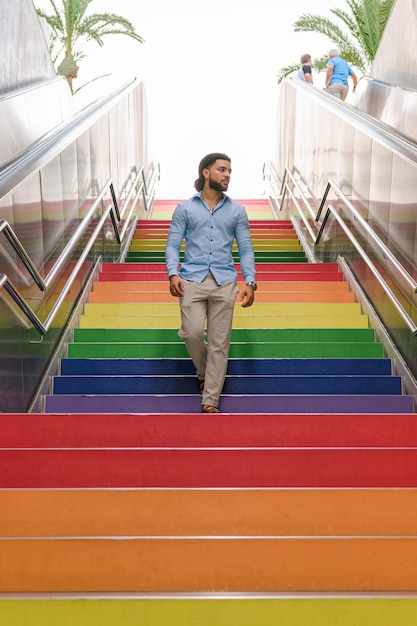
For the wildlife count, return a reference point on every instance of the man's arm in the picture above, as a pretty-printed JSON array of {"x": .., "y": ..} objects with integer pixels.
[
  {"x": 329, "y": 73},
  {"x": 355, "y": 80},
  {"x": 247, "y": 259},
  {"x": 175, "y": 237}
]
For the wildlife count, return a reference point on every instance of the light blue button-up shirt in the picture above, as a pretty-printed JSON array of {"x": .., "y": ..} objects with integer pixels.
[
  {"x": 209, "y": 239},
  {"x": 341, "y": 71}
]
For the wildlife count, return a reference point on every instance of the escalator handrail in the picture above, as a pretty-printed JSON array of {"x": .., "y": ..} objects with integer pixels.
[
  {"x": 40, "y": 153},
  {"x": 381, "y": 132}
]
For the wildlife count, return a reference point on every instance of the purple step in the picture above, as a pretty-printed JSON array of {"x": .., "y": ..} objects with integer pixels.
[{"x": 229, "y": 404}]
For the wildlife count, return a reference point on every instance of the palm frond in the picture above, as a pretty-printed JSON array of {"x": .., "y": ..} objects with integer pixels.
[
  {"x": 71, "y": 27},
  {"x": 89, "y": 82},
  {"x": 96, "y": 26},
  {"x": 287, "y": 71},
  {"x": 320, "y": 64},
  {"x": 340, "y": 39}
]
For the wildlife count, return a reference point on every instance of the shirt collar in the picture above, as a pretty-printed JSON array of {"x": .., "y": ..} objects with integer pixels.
[{"x": 219, "y": 204}]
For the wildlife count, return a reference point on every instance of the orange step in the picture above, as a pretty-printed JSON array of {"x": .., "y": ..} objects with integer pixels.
[
  {"x": 208, "y": 564},
  {"x": 263, "y": 286},
  {"x": 183, "y": 512}
]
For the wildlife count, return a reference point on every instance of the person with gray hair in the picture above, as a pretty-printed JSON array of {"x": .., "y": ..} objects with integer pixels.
[
  {"x": 305, "y": 73},
  {"x": 206, "y": 283},
  {"x": 337, "y": 75}
]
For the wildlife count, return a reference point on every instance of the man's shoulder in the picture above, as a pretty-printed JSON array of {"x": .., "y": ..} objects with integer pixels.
[
  {"x": 184, "y": 204},
  {"x": 235, "y": 203}
]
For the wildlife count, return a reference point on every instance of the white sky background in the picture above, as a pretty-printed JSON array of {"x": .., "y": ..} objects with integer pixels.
[{"x": 209, "y": 69}]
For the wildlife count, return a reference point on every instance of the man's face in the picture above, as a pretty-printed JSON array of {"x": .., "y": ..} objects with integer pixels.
[{"x": 218, "y": 175}]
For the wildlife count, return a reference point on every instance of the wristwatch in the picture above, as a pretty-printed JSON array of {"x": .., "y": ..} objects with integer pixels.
[{"x": 253, "y": 285}]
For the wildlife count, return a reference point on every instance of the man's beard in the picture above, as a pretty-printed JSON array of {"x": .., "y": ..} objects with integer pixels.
[{"x": 213, "y": 184}]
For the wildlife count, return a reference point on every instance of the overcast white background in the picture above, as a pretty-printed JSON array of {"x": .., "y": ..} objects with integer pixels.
[{"x": 209, "y": 69}]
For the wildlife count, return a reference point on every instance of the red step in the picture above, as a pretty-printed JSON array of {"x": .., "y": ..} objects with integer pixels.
[
  {"x": 273, "y": 275},
  {"x": 208, "y": 468},
  {"x": 201, "y": 431}
]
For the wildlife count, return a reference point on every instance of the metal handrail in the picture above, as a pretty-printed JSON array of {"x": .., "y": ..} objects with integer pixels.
[
  {"x": 301, "y": 214},
  {"x": 393, "y": 298},
  {"x": 5, "y": 282},
  {"x": 79, "y": 232},
  {"x": 269, "y": 173},
  {"x": 285, "y": 187},
  {"x": 142, "y": 191},
  {"x": 369, "y": 231},
  {"x": 111, "y": 211},
  {"x": 156, "y": 173},
  {"x": 22, "y": 254}
]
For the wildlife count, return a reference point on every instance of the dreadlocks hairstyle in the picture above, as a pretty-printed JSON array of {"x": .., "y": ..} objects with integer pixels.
[{"x": 206, "y": 162}]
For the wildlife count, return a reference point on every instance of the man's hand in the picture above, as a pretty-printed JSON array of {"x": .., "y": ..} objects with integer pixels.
[
  {"x": 176, "y": 286},
  {"x": 247, "y": 296}
]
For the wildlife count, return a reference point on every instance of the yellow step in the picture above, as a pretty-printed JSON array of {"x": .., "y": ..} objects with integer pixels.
[
  {"x": 213, "y": 611},
  {"x": 260, "y": 309},
  {"x": 239, "y": 321}
]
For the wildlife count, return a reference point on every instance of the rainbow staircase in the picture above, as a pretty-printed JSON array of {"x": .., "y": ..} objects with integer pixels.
[{"x": 296, "y": 505}]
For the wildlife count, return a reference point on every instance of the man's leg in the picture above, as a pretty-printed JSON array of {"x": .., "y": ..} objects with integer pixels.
[
  {"x": 335, "y": 90},
  {"x": 193, "y": 323},
  {"x": 221, "y": 304}
]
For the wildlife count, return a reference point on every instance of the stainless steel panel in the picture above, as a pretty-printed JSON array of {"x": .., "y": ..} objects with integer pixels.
[
  {"x": 29, "y": 113},
  {"x": 380, "y": 189},
  {"x": 378, "y": 174},
  {"x": 394, "y": 62},
  {"x": 45, "y": 209},
  {"x": 25, "y": 56},
  {"x": 390, "y": 92}
]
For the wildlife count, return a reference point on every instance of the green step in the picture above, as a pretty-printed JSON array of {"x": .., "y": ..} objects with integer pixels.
[
  {"x": 237, "y": 350},
  {"x": 282, "y": 335}
]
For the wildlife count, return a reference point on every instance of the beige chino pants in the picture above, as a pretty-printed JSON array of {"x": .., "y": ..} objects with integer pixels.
[
  {"x": 207, "y": 305},
  {"x": 339, "y": 90}
]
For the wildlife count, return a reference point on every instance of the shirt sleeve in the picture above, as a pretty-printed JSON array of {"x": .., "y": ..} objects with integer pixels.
[
  {"x": 176, "y": 233},
  {"x": 244, "y": 244}
]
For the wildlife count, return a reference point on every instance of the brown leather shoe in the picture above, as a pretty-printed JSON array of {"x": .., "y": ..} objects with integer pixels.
[
  {"x": 207, "y": 408},
  {"x": 201, "y": 383}
]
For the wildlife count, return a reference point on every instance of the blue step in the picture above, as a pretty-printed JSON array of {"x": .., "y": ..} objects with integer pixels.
[
  {"x": 230, "y": 404},
  {"x": 237, "y": 367},
  {"x": 288, "y": 385}
]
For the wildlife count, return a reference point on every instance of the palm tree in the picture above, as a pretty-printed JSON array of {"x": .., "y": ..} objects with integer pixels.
[
  {"x": 357, "y": 38},
  {"x": 71, "y": 26}
]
